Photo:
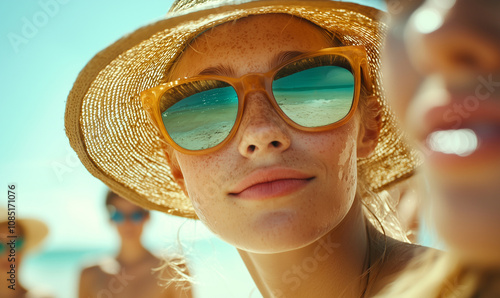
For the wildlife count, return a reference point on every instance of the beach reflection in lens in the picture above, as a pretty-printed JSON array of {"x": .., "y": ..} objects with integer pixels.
[
  {"x": 202, "y": 120},
  {"x": 317, "y": 96}
]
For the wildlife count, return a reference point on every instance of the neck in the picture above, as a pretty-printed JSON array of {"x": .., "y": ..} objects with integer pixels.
[
  {"x": 332, "y": 264},
  {"x": 131, "y": 252}
]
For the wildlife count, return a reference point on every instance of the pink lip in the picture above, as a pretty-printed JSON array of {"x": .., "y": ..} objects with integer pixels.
[
  {"x": 270, "y": 183},
  {"x": 446, "y": 117},
  {"x": 487, "y": 114}
]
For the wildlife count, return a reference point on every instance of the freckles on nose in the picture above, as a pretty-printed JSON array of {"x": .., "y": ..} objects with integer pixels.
[
  {"x": 259, "y": 114},
  {"x": 262, "y": 129}
]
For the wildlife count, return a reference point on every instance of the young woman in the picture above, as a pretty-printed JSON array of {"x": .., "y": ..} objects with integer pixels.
[
  {"x": 448, "y": 98},
  {"x": 131, "y": 272},
  {"x": 18, "y": 238},
  {"x": 271, "y": 119}
]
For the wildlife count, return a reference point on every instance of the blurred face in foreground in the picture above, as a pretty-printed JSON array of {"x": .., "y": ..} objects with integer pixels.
[
  {"x": 442, "y": 71},
  {"x": 272, "y": 187}
]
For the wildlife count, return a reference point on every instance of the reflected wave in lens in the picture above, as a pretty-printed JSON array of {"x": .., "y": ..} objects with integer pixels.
[
  {"x": 317, "y": 96},
  {"x": 202, "y": 120}
]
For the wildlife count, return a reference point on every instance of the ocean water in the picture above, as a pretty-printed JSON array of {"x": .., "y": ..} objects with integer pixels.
[{"x": 216, "y": 267}]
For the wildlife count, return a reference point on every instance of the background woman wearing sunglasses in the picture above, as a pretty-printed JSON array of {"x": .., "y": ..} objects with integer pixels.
[
  {"x": 131, "y": 272},
  {"x": 271, "y": 119},
  {"x": 29, "y": 234}
]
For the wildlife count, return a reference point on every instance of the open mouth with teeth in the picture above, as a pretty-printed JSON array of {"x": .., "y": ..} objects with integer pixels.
[
  {"x": 464, "y": 141},
  {"x": 461, "y": 142}
]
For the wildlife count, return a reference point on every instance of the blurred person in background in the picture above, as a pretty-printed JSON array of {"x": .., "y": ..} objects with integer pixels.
[
  {"x": 16, "y": 241},
  {"x": 442, "y": 71},
  {"x": 131, "y": 272}
]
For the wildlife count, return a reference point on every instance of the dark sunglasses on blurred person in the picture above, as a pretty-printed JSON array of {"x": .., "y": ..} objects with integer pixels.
[{"x": 119, "y": 217}]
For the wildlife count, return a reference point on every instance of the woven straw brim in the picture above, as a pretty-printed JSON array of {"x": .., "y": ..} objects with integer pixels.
[
  {"x": 35, "y": 230},
  {"x": 115, "y": 141}
]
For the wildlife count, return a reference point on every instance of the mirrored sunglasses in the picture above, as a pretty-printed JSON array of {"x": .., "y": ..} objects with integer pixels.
[{"x": 314, "y": 91}]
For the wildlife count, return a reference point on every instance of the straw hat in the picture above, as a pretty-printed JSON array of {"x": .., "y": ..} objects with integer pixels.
[
  {"x": 34, "y": 230},
  {"x": 110, "y": 131}
]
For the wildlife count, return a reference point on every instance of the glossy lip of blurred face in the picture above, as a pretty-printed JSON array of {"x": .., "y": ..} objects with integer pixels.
[
  {"x": 447, "y": 94},
  {"x": 319, "y": 169}
]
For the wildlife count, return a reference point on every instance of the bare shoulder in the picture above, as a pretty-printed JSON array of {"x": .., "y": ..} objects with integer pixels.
[
  {"x": 90, "y": 270},
  {"x": 104, "y": 267},
  {"x": 90, "y": 279},
  {"x": 399, "y": 254},
  {"x": 396, "y": 257},
  {"x": 90, "y": 273}
]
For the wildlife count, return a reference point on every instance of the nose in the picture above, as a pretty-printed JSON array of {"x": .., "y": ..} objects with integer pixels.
[
  {"x": 455, "y": 36},
  {"x": 262, "y": 131}
]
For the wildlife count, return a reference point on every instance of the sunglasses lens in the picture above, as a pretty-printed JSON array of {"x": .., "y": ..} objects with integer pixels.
[
  {"x": 117, "y": 217},
  {"x": 204, "y": 118},
  {"x": 318, "y": 95},
  {"x": 20, "y": 243},
  {"x": 137, "y": 216}
]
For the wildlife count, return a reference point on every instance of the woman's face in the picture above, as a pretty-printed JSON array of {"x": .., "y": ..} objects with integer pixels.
[
  {"x": 132, "y": 219},
  {"x": 272, "y": 187},
  {"x": 442, "y": 70}
]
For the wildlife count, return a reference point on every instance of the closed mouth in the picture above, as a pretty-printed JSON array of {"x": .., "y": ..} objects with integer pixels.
[{"x": 270, "y": 183}]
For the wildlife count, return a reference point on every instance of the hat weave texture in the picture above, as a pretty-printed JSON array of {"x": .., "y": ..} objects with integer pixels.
[{"x": 114, "y": 139}]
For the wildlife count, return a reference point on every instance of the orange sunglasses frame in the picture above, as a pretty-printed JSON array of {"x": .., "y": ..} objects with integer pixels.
[{"x": 355, "y": 55}]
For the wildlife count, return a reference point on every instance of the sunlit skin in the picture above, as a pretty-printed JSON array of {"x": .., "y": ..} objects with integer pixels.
[
  {"x": 277, "y": 224},
  {"x": 283, "y": 224},
  {"x": 446, "y": 79},
  {"x": 133, "y": 264}
]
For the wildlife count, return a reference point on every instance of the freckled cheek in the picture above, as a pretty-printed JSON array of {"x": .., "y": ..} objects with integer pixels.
[
  {"x": 337, "y": 150},
  {"x": 331, "y": 144},
  {"x": 205, "y": 177}
]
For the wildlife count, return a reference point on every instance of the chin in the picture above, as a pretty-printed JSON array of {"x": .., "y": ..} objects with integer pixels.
[{"x": 281, "y": 231}]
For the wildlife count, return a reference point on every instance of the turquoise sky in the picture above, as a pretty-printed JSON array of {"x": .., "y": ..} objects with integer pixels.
[{"x": 44, "y": 45}]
